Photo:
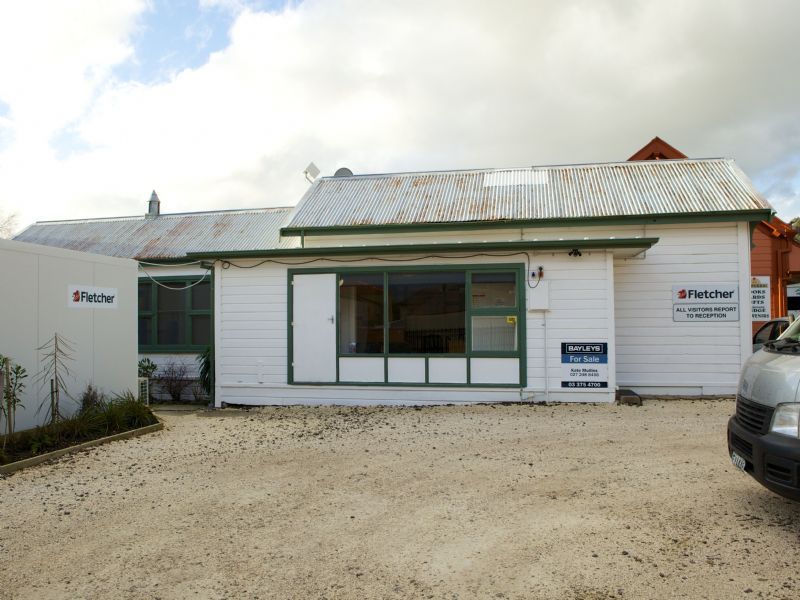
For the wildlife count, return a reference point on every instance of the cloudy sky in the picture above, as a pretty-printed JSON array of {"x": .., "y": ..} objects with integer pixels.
[{"x": 222, "y": 103}]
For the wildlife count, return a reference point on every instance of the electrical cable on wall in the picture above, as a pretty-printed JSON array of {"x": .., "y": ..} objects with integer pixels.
[
  {"x": 169, "y": 287},
  {"x": 226, "y": 264},
  {"x": 186, "y": 264}
]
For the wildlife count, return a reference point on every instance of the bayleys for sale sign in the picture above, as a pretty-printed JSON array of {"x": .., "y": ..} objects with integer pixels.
[
  {"x": 702, "y": 303},
  {"x": 83, "y": 296},
  {"x": 584, "y": 364}
]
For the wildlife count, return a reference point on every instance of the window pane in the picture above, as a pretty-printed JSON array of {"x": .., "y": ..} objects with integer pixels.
[
  {"x": 201, "y": 330},
  {"x": 491, "y": 290},
  {"x": 494, "y": 334},
  {"x": 201, "y": 296},
  {"x": 764, "y": 334},
  {"x": 169, "y": 299},
  {"x": 145, "y": 297},
  {"x": 145, "y": 338},
  {"x": 171, "y": 328},
  {"x": 361, "y": 314},
  {"x": 427, "y": 313},
  {"x": 171, "y": 321}
]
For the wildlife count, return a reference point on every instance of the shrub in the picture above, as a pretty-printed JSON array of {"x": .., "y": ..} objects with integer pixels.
[
  {"x": 92, "y": 399},
  {"x": 206, "y": 368},
  {"x": 147, "y": 368},
  {"x": 98, "y": 419},
  {"x": 174, "y": 379}
]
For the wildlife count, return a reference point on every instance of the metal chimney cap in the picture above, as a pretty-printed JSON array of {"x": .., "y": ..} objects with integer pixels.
[{"x": 153, "y": 206}]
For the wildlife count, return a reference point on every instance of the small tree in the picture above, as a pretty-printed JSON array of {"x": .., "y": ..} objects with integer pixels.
[
  {"x": 13, "y": 386},
  {"x": 56, "y": 354}
]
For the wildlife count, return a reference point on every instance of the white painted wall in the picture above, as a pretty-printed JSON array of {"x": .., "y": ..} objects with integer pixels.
[
  {"x": 34, "y": 306},
  {"x": 625, "y": 302},
  {"x": 658, "y": 356},
  {"x": 580, "y": 310},
  {"x": 654, "y": 355},
  {"x": 251, "y": 336}
]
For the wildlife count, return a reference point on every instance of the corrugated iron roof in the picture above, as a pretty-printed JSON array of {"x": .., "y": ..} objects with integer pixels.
[
  {"x": 537, "y": 193},
  {"x": 166, "y": 236}
]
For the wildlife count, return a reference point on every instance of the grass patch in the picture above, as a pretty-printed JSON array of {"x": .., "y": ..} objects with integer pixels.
[{"x": 97, "y": 418}]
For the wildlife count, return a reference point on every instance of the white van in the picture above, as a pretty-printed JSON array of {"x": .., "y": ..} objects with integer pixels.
[{"x": 764, "y": 434}]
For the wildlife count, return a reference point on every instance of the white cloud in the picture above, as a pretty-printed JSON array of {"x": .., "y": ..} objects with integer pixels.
[
  {"x": 56, "y": 56},
  {"x": 395, "y": 86}
]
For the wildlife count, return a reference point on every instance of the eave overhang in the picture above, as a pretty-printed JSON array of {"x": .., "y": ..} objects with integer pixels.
[
  {"x": 620, "y": 246},
  {"x": 670, "y": 218}
]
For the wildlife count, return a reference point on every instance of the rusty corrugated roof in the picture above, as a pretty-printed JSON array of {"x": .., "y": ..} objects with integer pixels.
[
  {"x": 166, "y": 236},
  {"x": 537, "y": 193}
]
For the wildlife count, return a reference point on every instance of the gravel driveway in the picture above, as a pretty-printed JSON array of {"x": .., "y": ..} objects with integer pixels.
[{"x": 448, "y": 502}]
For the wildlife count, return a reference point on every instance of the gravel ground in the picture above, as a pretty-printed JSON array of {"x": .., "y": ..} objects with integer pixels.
[{"x": 517, "y": 501}]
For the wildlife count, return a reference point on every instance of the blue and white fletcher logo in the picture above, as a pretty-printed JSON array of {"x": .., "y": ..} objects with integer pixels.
[{"x": 84, "y": 296}]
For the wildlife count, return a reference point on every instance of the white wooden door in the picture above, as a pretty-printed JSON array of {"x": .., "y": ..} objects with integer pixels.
[{"x": 314, "y": 328}]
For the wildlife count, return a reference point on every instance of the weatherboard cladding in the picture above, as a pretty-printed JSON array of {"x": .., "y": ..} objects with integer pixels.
[
  {"x": 537, "y": 193},
  {"x": 166, "y": 236}
]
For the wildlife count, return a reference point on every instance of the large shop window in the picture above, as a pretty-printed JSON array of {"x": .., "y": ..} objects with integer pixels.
[
  {"x": 426, "y": 313},
  {"x": 174, "y": 317},
  {"x": 429, "y": 313}
]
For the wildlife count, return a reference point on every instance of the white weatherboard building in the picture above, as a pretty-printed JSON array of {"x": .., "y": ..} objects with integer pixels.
[
  {"x": 87, "y": 299},
  {"x": 539, "y": 284}
]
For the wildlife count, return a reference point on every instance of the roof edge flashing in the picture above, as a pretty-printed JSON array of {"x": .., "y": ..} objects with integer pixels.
[
  {"x": 620, "y": 163},
  {"x": 719, "y": 216}
]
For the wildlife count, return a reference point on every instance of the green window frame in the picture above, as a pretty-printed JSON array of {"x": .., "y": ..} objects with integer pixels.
[
  {"x": 149, "y": 315},
  {"x": 517, "y": 312}
]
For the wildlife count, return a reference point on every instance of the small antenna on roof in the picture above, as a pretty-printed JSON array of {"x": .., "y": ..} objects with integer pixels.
[{"x": 311, "y": 172}]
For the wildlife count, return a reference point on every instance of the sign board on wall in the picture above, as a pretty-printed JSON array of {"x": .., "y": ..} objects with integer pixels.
[
  {"x": 84, "y": 296},
  {"x": 703, "y": 303},
  {"x": 760, "y": 297},
  {"x": 584, "y": 365},
  {"x": 793, "y": 300}
]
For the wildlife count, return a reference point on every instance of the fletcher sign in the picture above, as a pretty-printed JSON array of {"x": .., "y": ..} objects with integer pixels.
[
  {"x": 702, "y": 303},
  {"x": 82, "y": 296}
]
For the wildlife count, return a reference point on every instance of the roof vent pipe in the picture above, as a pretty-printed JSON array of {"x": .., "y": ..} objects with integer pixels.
[{"x": 153, "y": 206}]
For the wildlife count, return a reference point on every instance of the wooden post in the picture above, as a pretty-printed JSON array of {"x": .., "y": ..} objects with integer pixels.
[{"x": 52, "y": 401}]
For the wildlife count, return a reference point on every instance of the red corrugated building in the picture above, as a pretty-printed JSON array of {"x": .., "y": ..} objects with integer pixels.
[{"x": 775, "y": 253}]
